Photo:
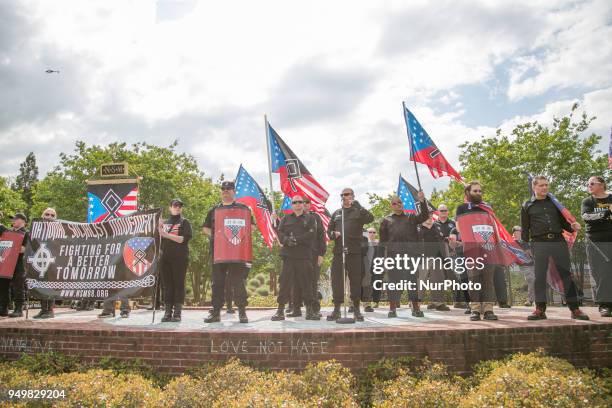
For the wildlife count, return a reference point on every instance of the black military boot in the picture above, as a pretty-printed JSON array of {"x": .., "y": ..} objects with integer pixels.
[
  {"x": 213, "y": 316},
  {"x": 311, "y": 313},
  {"x": 229, "y": 309},
  {"x": 176, "y": 316},
  {"x": 167, "y": 313},
  {"x": 280, "y": 314},
  {"x": 242, "y": 317},
  {"x": 297, "y": 312},
  {"x": 356, "y": 312},
  {"x": 18, "y": 312},
  {"x": 335, "y": 315},
  {"x": 3, "y": 310}
]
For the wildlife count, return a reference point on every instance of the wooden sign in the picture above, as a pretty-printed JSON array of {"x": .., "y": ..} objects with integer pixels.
[{"x": 114, "y": 169}]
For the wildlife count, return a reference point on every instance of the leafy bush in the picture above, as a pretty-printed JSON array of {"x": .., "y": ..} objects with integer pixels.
[
  {"x": 261, "y": 278},
  {"x": 408, "y": 391},
  {"x": 383, "y": 370},
  {"x": 263, "y": 301},
  {"x": 325, "y": 384},
  {"x": 135, "y": 366},
  {"x": 254, "y": 283},
  {"x": 262, "y": 291},
  {"x": 50, "y": 362}
]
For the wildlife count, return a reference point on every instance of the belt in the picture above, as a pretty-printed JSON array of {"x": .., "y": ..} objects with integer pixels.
[{"x": 548, "y": 236}]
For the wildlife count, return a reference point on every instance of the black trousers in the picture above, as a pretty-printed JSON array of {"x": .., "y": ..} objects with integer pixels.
[
  {"x": 353, "y": 270},
  {"x": 556, "y": 251},
  {"x": 499, "y": 282},
  {"x": 296, "y": 273},
  {"x": 228, "y": 293},
  {"x": 173, "y": 271},
  {"x": 316, "y": 274},
  {"x": 236, "y": 273},
  {"x": 462, "y": 295},
  {"x": 19, "y": 286},
  {"x": 601, "y": 271},
  {"x": 5, "y": 293},
  {"x": 376, "y": 293}
]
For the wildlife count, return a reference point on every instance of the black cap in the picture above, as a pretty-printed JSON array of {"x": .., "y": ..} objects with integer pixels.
[
  {"x": 176, "y": 201},
  {"x": 20, "y": 216},
  {"x": 228, "y": 185}
]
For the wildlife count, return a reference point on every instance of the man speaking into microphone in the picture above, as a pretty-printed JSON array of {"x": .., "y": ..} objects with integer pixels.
[{"x": 355, "y": 217}]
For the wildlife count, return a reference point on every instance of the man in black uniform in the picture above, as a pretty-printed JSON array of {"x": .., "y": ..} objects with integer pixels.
[
  {"x": 542, "y": 224},
  {"x": 481, "y": 301},
  {"x": 319, "y": 247},
  {"x": 175, "y": 233},
  {"x": 4, "y": 283},
  {"x": 296, "y": 233},
  {"x": 19, "y": 276},
  {"x": 447, "y": 225},
  {"x": 355, "y": 217},
  {"x": 46, "y": 305},
  {"x": 235, "y": 272},
  {"x": 399, "y": 236}
]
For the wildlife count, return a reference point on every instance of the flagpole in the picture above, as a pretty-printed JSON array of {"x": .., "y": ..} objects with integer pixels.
[
  {"x": 269, "y": 162},
  {"x": 416, "y": 170}
]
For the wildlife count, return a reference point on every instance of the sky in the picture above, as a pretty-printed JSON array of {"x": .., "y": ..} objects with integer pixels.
[{"x": 331, "y": 77}]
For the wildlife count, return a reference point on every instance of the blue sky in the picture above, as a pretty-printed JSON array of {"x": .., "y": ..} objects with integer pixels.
[{"x": 331, "y": 77}]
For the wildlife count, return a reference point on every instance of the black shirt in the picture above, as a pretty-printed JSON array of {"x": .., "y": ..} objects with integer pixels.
[
  {"x": 179, "y": 226},
  {"x": 446, "y": 226},
  {"x": 19, "y": 267},
  {"x": 302, "y": 228},
  {"x": 597, "y": 219},
  {"x": 541, "y": 217},
  {"x": 209, "y": 222},
  {"x": 319, "y": 246},
  {"x": 355, "y": 217},
  {"x": 433, "y": 240},
  {"x": 396, "y": 231},
  {"x": 468, "y": 208}
]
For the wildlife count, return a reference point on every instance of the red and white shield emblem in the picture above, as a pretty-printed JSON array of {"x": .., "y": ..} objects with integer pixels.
[
  {"x": 234, "y": 230},
  {"x": 483, "y": 235}
]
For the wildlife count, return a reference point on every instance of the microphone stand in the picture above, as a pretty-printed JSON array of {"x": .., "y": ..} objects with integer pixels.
[{"x": 345, "y": 319}]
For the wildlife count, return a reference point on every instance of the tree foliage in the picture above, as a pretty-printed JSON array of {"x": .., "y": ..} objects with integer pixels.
[{"x": 26, "y": 180}]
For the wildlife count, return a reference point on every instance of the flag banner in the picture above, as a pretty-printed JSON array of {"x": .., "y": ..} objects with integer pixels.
[
  {"x": 610, "y": 151},
  {"x": 233, "y": 242},
  {"x": 286, "y": 206},
  {"x": 479, "y": 237},
  {"x": 109, "y": 199},
  {"x": 249, "y": 193},
  {"x": 10, "y": 246},
  {"x": 117, "y": 258},
  {"x": 408, "y": 194},
  {"x": 424, "y": 150},
  {"x": 295, "y": 179}
]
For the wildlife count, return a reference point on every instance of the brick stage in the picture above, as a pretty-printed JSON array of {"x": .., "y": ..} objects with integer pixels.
[{"x": 447, "y": 337}]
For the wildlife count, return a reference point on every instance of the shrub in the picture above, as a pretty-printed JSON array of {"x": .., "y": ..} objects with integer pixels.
[
  {"x": 376, "y": 373},
  {"x": 135, "y": 366},
  {"x": 408, "y": 391},
  {"x": 263, "y": 301},
  {"x": 325, "y": 384},
  {"x": 254, "y": 283},
  {"x": 261, "y": 278},
  {"x": 104, "y": 388},
  {"x": 262, "y": 291},
  {"x": 49, "y": 363}
]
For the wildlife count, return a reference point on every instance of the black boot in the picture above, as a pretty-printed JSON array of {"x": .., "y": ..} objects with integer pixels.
[
  {"x": 311, "y": 313},
  {"x": 176, "y": 317},
  {"x": 297, "y": 312},
  {"x": 280, "y": 314},
  {"x": 335, "y": 315},
  {"x": 3, "y": 310},
  {"x": 229, "y": 309},
  {"x": 167, "y": 313},
  {"x": 213, "y": 316},
  {"x": 356, "y": 312},
  {"x": 18, "y": 312},
  {"x": 242, "y": 317}
]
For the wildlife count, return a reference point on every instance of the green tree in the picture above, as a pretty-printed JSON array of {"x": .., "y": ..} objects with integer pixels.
[
  {"x": 26, "y": 180},
  {"x": 562, "y": 152},
  {"x": 10, "y": 202}
]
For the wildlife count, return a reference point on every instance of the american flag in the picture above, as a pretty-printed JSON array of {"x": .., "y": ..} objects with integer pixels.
[
  {"x": 249, "y": 193},
  {"x": 294, "y": 176}
]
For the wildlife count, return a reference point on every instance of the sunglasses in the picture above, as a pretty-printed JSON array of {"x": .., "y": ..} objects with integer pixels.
[
  {"x": 226, "y": 188},
  {"x": 48, "y": 215},
  {"x": 297, "y": 202},
  {"x": 443, "y": 210},
  {"x": 476, "y": 191},
  {"x": 397, "y": 203}
]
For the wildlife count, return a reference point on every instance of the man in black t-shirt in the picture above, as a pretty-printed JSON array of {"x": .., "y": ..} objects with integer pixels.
[
  {"x": 236, "y": 272},
  {"x": 175, "y": 233}
]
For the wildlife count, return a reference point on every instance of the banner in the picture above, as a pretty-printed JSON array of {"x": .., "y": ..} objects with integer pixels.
[
  {"x": 232, "y": 236},
  {"x": 480, "y": 238},
  {"x": 10, "y": 246},
  {"x": 109, "y": 199},
  {"x": 116, "y": 258}
]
